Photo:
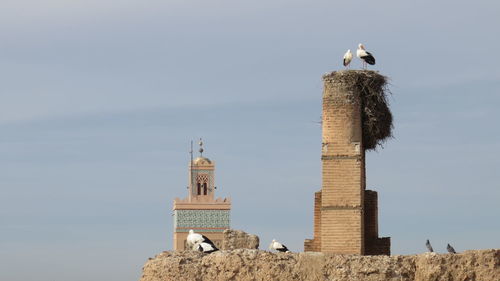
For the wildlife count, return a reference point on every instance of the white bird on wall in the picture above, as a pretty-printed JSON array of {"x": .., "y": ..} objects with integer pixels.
[
  {"x": 367, "y": 57},
  {"x": 275, "y": 245},
  {"x": 195, "y": 238},
  {"x": 347, "y": 58},
  {"x": 206, "y": 248}
]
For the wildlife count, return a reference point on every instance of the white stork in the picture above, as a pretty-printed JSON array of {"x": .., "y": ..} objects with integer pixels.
[
  {"x": 275, "y": 245},
  {"x": 347, "y": 58},
  {"x": 367, "y": 57},
  {"x": 205, "y": 247},
  {"x": 196, "y": 238}
]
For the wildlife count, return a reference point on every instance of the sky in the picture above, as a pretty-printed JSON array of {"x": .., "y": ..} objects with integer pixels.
[{"x": 100, "y": 99}]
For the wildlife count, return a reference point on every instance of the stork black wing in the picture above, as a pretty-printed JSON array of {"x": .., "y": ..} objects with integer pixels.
[
  {"x": 282, "y": 249},
  {"x": 208, "y": 241},
  {"x": 368, "y": 58}
]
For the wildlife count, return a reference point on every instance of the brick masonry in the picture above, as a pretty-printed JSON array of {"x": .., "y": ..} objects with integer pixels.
[
  {"x": 345, "y": 214},
  {"x": 314, "y": 245}
]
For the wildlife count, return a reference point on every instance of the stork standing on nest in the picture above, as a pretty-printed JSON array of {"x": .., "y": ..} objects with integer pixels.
[
  {"x": 365, "y": 56},
  {"x": 347, "y": 58}
]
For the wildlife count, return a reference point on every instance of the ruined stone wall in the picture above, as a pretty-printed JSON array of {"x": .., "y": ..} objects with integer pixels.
[
  {"x": 314, "y": 245},
  {"x": 237, "y": 239},
  {"x": 378, "y": 246},
  {"x": 255, "y": 265},
  {"x": 371, "y": 217},
  {"x": 373, "y": 244}
]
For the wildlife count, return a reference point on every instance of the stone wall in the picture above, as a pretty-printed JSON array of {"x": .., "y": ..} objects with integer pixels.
[
  {"x": 237, "y": 239},
  {"x": 373, "y": 244},
  {"x": 255, "y": 265},
  {"x": 314, "y": 245}
]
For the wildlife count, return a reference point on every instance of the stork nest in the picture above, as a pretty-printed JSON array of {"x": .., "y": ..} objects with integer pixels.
[{"x": 370, "y": 90}]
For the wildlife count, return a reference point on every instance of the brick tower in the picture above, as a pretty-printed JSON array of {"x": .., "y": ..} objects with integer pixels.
[
  {"x": 345, "y": 213},
  {"x": 200, "y": 211}
]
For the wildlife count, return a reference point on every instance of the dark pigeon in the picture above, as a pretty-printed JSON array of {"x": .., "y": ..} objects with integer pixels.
[
  {"x": 450, "y": 249},
  {"x": 428, "y": 245}
]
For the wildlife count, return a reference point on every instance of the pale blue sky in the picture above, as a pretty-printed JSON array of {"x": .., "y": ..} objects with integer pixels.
[{"x": 99, "y": 100}]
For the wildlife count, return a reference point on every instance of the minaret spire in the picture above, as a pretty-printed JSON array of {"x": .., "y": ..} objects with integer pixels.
[
  {"x": 201, "y": 147},
  {"x": 191, "y": 166}
]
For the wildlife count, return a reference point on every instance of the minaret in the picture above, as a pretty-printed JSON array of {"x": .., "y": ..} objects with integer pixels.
[{"x": 200, "y": 210}]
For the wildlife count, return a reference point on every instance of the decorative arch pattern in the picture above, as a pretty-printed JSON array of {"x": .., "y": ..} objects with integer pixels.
[{"x": 202, "y": 181}]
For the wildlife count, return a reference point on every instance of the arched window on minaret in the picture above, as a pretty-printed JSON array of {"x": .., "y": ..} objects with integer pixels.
[{"x": 202, "y": 181}]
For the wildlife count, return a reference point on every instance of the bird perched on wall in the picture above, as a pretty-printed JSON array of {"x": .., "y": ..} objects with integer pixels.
[
  {"x": 428, "y": 245},
  {"x": 195, "y": 238},
  {"x": 365, "y": 56},
  {"x": 205, "y": 247},
  {"x": 347, "y": 58},
  {"x": 450, "y": 249},
  {"x": 275, "y": 245}
]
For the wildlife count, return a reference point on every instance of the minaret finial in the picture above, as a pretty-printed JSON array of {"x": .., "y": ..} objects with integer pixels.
[
  {"x": 201, "y": 148},
  {"x": 191, "y": 164}
]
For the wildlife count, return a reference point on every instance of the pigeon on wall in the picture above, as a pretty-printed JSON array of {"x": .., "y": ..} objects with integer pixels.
[
  {"x": 450, "y": 249},
  {"x": 428, "y": 245}
]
